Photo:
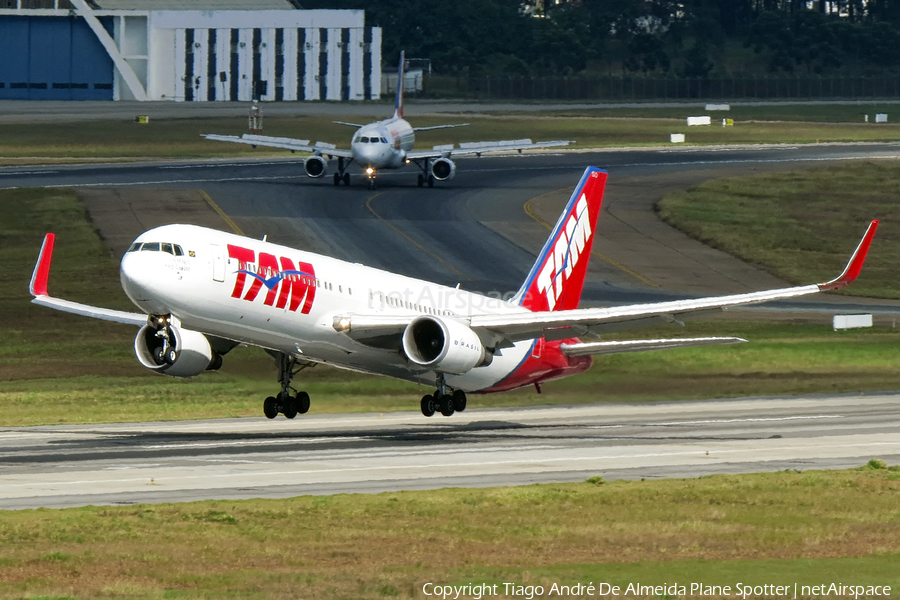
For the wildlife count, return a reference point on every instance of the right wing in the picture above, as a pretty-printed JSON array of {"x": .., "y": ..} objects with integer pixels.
[
  {"x": 38, "y": 289},
  {"x": 503, "y": 330},
  {"x": 281, "y": 142}
]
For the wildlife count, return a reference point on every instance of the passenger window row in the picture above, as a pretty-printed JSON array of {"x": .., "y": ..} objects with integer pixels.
[{"x": 173, "y": 249}]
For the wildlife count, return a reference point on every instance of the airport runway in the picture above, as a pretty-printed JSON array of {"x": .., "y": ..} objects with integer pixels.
[
  {"x": 445, "y": 234},
  {"x": 63, "y": 466}
]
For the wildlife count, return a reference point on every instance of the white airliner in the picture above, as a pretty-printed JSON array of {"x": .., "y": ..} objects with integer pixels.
[
  {"x": 385, "y": 144},
  {"x": 202, "y": 292}
]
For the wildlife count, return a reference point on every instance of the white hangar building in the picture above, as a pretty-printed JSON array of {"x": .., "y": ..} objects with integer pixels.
[{"x": 186, "y": 50}]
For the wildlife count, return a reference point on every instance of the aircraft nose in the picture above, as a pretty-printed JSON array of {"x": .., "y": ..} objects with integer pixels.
[
  {"x": 134, "y": 274},
  {"x": 369, "y": 153}
]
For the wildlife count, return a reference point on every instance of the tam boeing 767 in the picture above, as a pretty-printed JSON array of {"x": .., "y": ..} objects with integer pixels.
[
  {"x": 386, "y": 144},
  {"x": 201, "y": 292}
]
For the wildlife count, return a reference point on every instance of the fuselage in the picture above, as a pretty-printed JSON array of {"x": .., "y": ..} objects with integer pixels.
[
  {"x": 283, "y": 299},
  {"x": 383, "y": 145}
]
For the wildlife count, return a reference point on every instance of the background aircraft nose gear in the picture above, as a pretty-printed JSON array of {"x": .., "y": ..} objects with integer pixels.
[
  {"x": 287, "y": 403},
  {"x": 443, "y": 400}
]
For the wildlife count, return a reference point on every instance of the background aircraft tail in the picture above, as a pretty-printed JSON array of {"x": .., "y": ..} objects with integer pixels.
[
  {"x": 398, "y": 103},
  {"x": 557, "y": 277}
]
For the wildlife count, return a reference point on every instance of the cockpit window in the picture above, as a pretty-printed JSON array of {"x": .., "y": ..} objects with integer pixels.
[
  {"x": 384, "y": 141},
  {"x": 364, "y": 140},
  {"x": 178, "y": 250},
  {"x": 168, "y": 248},
  {"x": 150, "y": 247},
  {"x": 135, "y": 247}
]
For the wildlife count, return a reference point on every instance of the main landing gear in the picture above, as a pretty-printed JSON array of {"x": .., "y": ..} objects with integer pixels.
[
  {"x": 287, "y": 403},
  {"x": 342, "y": 176},
  {"x": 425, "y": 177},
  {"x": 443, "y": 400}
]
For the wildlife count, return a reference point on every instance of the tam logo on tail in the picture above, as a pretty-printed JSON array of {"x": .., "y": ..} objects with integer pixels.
[{"x": 557, "y": 278}]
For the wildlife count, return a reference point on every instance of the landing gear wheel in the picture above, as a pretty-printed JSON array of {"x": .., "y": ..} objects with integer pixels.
[
  {"x": 270, "y": 407},
  {"x": 421, "y": 180},
  {"x": 428, "y": 406},
  {"x": 459, "y": 400},
  {"x": 337, "y": 179},
  {"x": 447, "y": 405},
  {"x": 301, "y": 402},
  {"x": 288, "y": 406},
  {"x": 431, "y": 181},
  {"x": 159, "y": 356},
  {"x": 346, "y": 179},
  {"x": 171, "y": 356}
]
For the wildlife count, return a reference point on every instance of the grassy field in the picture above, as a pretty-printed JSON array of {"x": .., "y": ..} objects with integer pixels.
[
  {"x": 791, "y": 222},
  {"x": 180, "y": 138},
  {"x": 59, "y": 368},
  {"x": 810, "y": 528}
]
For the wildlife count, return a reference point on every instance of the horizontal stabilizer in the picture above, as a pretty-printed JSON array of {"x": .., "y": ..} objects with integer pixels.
[{"x": 597, "y": 348}]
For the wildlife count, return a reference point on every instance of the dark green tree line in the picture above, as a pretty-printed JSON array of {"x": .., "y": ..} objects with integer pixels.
[{"x": 689, "y": 38}]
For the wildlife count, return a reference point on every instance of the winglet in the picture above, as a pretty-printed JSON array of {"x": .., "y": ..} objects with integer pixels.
[
  {"x": 38, "y": 285},
  {"x": 851, "y": 271}
]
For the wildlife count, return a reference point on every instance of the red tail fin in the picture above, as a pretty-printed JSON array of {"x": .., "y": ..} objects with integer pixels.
[{"x": 557, "y": 278}]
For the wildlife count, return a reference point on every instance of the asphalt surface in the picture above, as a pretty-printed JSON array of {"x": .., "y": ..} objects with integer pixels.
[
  {"x": 483, "y": 230},
  {"x": 473, "y": 230},
  {"x": 64, "y": 466}
]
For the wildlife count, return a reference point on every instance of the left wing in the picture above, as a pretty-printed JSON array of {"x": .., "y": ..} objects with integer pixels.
[
  {"x": 502, "y": 330},
  {"x": 281, "y": 142},
  {"x": 440, "y": 127},
  {"x": 38, "y": 289},
  {"x": 481, "y": 147}
]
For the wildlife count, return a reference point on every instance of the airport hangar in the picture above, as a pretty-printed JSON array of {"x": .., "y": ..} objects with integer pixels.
[{"x": 185, "y": 50}]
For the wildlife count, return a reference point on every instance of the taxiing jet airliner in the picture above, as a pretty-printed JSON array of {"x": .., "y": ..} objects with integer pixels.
[
  {"x": 385, "y": 144},
  {"x": 202, "y": 292}
]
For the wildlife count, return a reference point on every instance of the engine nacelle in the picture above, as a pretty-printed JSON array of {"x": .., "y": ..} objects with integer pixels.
[
  {"x": 445, "y": 345},
  {"x": 188, "y": 354},
  {"x": 443, "y": 169},
  {"x": 316, "y": 166}
]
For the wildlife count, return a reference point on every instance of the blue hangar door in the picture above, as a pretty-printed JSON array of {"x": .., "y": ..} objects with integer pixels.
[{"x": 53, "y": 58}]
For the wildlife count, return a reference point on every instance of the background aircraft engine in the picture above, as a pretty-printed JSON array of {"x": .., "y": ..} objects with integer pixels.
[
  {"x": 316, "y": 166},
  {"x": 188, "y": 354},
  {"x": 444, "y": 345},
  {"x": 443, "y": 169}
]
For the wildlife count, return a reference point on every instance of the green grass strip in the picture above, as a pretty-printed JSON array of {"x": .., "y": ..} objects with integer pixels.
[
  {"x": 811, "y": 528},
  {"x": 803, "y": 225}
]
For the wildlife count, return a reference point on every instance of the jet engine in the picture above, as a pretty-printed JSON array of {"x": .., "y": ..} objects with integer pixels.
[
  {"x": 443, "y": 169},
  {"x": 316, "y": 166},
  {"x": 444, "y": 345},
  {"x": 186, "y": 353}
]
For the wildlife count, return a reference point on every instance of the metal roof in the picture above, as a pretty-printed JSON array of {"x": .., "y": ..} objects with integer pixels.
[{"x": 144, "y": 5}]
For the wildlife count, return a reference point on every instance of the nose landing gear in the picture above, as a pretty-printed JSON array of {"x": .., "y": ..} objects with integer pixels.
[{"x": 287, "y": 403}]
